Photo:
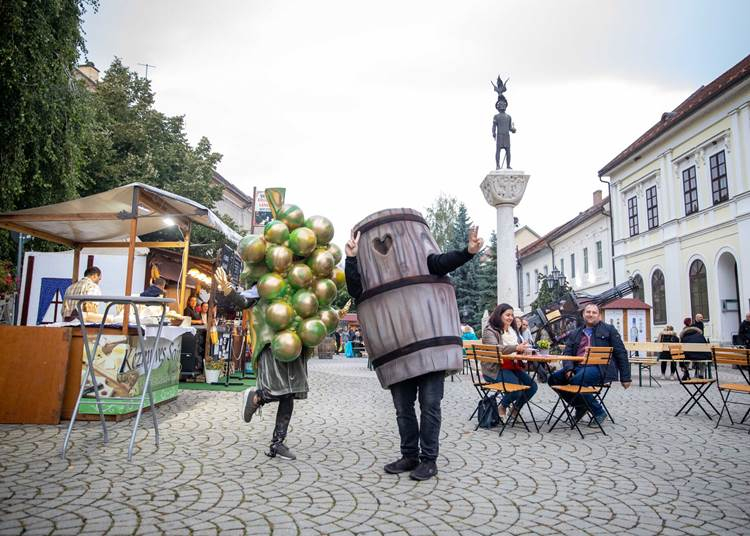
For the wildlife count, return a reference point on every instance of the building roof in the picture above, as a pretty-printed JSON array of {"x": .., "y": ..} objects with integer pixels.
[
  {"x": 700, "y": 98},
  {"x": 529, "y": 229},
  {"x": 557, "y": 232},
  {"x": 626, "y": 303},
  {"x": 232, "y": 188}
]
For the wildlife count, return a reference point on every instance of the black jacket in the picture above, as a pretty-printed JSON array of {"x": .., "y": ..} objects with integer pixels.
[
  {"x": 694, "y": 335},
  {"x": 667, "y": 336},
  {"x": 437, "y": 263},
  {"x": 603, "y": 335},
  {"x": 152, "y": 292},
  {"x": 744, "y": 333}
]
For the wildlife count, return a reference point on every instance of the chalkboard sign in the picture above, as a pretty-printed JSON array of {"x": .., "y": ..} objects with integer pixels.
[{"x": 232, "y": 264}]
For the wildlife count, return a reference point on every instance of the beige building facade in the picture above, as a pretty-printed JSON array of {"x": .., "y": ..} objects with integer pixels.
[{"x": 681, "y": 209}]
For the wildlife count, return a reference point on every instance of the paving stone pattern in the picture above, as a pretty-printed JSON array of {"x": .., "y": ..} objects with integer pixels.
[{"x": 652, "y": 474}]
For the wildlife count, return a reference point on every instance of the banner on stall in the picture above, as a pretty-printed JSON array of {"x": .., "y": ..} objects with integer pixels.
[{"x": 120, "y": 372}]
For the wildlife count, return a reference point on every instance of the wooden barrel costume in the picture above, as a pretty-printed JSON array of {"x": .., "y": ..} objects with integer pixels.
[{"x": 409, "y": 317}]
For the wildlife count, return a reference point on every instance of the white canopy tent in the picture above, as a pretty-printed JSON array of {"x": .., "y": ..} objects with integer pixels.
[{"x": 114, "y": 219}]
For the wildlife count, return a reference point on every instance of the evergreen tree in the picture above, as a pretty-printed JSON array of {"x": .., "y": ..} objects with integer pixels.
[
  {"x": 487, "y": 279},
  {"x": 550, "y": 294},
  {"x": 466, "y": 278}
]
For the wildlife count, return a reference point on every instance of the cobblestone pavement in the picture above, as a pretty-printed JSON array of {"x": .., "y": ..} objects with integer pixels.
[{"x": 652, "y": 474}]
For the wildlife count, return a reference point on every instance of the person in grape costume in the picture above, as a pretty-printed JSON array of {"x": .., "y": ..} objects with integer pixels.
[{"x": 293, "y": 265}]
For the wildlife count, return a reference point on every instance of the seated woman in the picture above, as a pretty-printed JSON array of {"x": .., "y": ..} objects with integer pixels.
[{"x": 502, "y": 332}]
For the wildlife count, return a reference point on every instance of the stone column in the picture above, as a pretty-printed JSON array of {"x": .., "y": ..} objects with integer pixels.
[{"x": 503, "y": 189}]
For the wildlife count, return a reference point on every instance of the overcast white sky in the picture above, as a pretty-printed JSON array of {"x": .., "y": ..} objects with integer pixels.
[{"x": 359, "y": 106}]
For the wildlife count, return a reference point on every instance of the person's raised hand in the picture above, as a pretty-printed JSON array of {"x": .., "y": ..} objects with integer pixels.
[
  {"x": 352, "y": 246},
  {"x": 475, "y": 242},
  {"x": 223, "y": 281}
]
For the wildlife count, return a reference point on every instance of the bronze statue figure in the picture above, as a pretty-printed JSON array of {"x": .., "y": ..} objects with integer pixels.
[{"x": 502, "y": 124}]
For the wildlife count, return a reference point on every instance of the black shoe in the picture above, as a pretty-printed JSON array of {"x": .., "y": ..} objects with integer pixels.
[
  {"x": 580, "y": 414},
  {"x": 424, "y": 471},
  {"x": 401, "y": 466},
  {"x": 249, "y": 405},
  {"x": 280, "y": 450}
]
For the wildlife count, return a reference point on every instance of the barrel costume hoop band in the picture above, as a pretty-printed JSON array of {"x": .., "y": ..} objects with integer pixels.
[
  {"x": 389, "y": 219},
  {"x": 405, "y": 282},
  {"x": 415, "y": 347}
]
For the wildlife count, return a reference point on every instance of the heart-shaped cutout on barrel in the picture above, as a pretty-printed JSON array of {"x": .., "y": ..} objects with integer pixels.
[{"x": 382, "y": 245}]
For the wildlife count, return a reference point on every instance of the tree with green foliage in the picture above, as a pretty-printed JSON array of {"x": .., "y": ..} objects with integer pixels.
[
  {"x": 550, "y": 294},
  {"x": 441, "y": 217},
  {"x": 487, "y": 278},
  {"x": 44, "y": 115},
  {"x": 466, "y": 278},
  {"x": 134, "y": 142}
]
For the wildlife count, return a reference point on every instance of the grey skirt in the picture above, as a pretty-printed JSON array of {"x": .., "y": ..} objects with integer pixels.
[{"x": 278, "y": 379}]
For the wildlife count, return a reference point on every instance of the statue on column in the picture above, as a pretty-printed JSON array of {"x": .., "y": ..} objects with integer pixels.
[{"x": 502, "y": 124}]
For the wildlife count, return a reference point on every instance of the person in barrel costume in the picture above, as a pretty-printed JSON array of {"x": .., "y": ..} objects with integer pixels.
[{"x": 409, "y": 317}]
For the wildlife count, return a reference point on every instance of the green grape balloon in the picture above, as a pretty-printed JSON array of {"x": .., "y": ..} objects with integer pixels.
[{"x": 294, "y": 264}]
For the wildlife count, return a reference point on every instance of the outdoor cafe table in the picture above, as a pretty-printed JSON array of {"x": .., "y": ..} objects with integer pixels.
[
  {"x": 149, "y": 360},
  {"x": 532, "y": 358}
]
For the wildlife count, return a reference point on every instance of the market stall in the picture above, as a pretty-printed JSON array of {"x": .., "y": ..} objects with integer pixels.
[{"x": 112, "y": 219}]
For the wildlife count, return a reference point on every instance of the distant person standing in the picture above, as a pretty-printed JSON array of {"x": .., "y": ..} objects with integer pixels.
[
  {"x": 692, "y": 334},
  {"x": 698, "y": 323},
  {"x": 337, "y": 338},
  {"x": 668, "y": 335},
  {"x": 745, "y": 331}
]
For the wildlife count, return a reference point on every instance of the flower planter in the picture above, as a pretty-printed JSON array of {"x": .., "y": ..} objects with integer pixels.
[
  {"x": 543, "y": 351},
  {"x": 212, "y": 376}
]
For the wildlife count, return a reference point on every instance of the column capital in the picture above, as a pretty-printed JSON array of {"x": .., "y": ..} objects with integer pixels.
[{"x": 504, "y": 187}]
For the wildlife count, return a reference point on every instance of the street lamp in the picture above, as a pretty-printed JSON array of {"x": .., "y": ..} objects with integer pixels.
[{"x": 556, "y": 277}]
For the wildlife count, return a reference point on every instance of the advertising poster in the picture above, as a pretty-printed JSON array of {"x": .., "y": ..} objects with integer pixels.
[
  {"x": 262, "y": 209},
  {"x": 614, "y": 317},
  {"x": 636, "y": 325},
  {"x": 119, "y": 371},
  {"x": 262, "y": 212}
]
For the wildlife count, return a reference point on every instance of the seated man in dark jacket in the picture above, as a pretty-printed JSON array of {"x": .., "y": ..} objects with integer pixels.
[{"x": 593, "y": 333}]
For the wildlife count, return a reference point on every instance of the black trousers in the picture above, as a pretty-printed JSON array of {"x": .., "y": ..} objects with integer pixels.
[
  {"x": 283, "y": 415},
  {"x": 419, "y": 439}
]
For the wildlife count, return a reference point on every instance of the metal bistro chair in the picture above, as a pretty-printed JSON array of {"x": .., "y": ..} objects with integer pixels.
[
  {"x": 695, "y": 387},
  {"x": 599, "y": 356},
  {"x": 741, "y": 358},
  {"x": 491, "y": 353}
]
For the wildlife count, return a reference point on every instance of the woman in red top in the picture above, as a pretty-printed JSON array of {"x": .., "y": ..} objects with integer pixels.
[{"x": 501, "y": 331}]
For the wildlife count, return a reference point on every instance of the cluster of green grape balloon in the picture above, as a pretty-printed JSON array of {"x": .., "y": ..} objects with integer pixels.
[{"x": 294, "y": 265}]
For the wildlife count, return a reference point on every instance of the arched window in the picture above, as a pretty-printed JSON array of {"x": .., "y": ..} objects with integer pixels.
[
  {"x": 698, "y": 289},
  {"x": 638, "y": 292},
  {"x": 658, "y": 297}
]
